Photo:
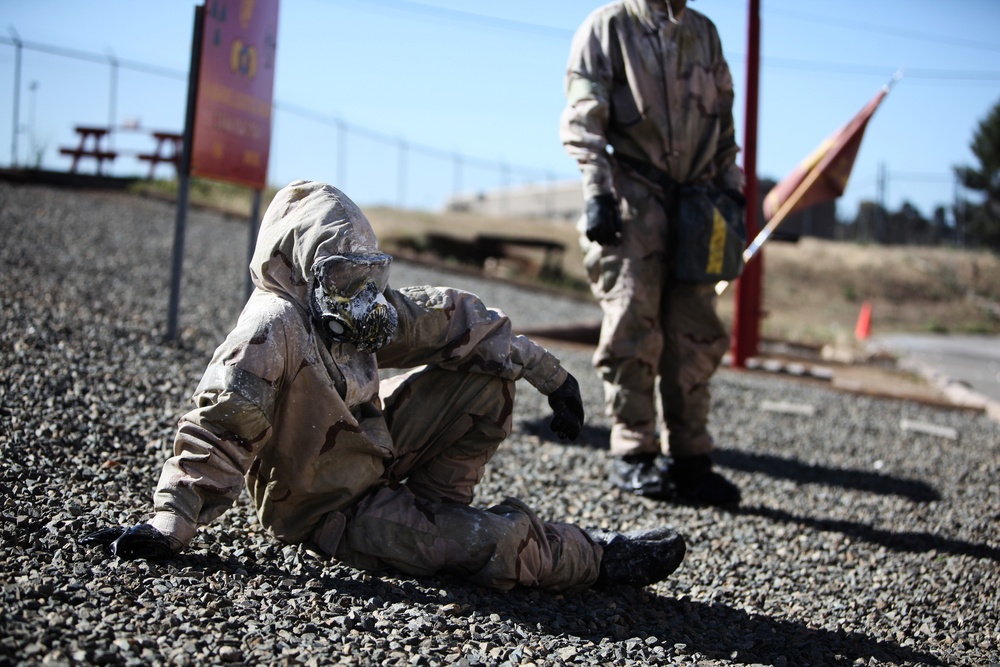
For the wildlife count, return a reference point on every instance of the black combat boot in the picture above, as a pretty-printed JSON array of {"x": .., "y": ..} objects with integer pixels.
[
  {"x": 640, "y": 474},
  {"x": 694, "y": 480},
  {"x": 638, "y": 558}
]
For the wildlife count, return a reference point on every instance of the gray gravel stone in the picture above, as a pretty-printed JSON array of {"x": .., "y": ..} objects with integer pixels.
[{"x": 858, "y": 543}]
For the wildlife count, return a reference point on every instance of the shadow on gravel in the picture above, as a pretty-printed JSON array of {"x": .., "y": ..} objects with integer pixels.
[
  {"x": 628, "y": 617},
  {"x": 597, "y": 437},
  {"x": 636, "y": 619},
  {"x": 859, "y": 480},
  {"x": 910, "y": 541},
  {"x": 314, "y": 574},
  {"x": 594, "y": 437}
]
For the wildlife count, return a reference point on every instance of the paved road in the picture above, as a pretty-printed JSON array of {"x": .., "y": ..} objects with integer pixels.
[{"x": 974, "y": 360}]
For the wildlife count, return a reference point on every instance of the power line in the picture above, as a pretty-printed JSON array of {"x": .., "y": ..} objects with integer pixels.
[
  {"x": 464, "y": 16},
  {"x": 787, "y": 63},
  {"x": 880, "y": 70},
  {"x": 885, "y": 30},
  {"x": 951, "y": 75},
  {"x": 563, "y": 33},
  {"x": 922, "y": 177}
]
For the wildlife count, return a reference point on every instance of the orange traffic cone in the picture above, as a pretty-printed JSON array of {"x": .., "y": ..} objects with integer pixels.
[{"x": 863, "y": 329}]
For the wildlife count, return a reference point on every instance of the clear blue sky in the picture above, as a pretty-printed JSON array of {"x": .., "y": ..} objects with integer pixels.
[{"x": 483, "y": 80}]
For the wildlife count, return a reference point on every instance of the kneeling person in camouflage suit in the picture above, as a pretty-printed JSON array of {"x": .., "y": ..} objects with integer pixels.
[{"x": 375, "y": 474}]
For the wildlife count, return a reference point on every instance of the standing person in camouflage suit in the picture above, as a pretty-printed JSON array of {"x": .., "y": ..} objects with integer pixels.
[
  {"x": 647, "y": 79},
  {"x": 375, "y": 474}
]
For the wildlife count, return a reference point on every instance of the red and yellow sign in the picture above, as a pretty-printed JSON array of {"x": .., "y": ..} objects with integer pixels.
[{"x": 232, "y": 123}]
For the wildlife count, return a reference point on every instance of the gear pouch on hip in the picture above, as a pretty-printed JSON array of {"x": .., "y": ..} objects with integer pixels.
[{"x": 708, "y": 235}]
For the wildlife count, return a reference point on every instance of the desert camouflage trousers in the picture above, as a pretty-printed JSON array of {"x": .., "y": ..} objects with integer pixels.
[
  {"x": 653, "y": 329},
  {"x": 446, "y": 426}
]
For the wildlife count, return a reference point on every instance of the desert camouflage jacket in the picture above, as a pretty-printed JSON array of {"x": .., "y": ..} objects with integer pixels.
[
  {"x": 296, "y": 421},
  {"x": 654, "y": 91}
]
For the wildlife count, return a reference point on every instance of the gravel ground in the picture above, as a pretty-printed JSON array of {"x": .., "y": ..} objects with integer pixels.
[{"x": 859, "y": 542}]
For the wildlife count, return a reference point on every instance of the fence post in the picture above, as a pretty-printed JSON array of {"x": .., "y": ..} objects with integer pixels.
[
  {"x": 112, "y": 99},
  {"x": 17, "y": 94}
]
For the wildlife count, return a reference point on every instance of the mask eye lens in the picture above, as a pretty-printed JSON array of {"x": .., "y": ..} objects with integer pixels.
[
  {"x": 350, "y": 286},
  {"x": 346, "y": 275},
  {"x": 335, "y": 327}
]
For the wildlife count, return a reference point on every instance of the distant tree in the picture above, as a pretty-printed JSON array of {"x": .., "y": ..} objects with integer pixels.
[
  {"x": 874, "y": 223},
  {"x": 981, "y": 221},
  {"x": 906, "y": 225}
]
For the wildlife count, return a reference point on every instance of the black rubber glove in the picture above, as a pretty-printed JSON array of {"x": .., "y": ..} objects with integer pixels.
[
  {"x": 567, "y": 409},
  {"x": 604, "y": 220},
  {"x": 142, "y": 541}
]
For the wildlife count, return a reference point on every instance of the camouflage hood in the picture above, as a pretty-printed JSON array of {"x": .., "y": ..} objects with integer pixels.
[{"x": 307, "y": 221}]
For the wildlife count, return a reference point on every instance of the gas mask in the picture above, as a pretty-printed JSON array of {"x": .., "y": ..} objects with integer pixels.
[{"x": 347, "y": 302}]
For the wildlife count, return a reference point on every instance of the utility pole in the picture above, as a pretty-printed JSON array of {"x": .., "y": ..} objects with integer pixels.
[
  {"x": 17, "y": 94},
  {"x": 112, "y": 98},
  {"x": 34, "y": 161},
  {"x": 880, "y": 210}
]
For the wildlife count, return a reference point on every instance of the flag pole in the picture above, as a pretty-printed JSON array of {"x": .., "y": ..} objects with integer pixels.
[
  {"x": 745, "y": 339},
  {"x": 772, "y": 224}
]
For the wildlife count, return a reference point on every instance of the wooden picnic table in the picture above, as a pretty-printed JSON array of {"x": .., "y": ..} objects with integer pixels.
[
  {"x": 167, "y": 149},
  {"x": 91, "y": 146}
]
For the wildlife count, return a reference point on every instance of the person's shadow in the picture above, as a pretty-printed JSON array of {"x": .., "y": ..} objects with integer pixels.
[
  {"x": 792, "y": 469},
  {"x": 596, "y": 437},
  {"x": 713, "y": 630},
  {"x": 796, "y": 471}
]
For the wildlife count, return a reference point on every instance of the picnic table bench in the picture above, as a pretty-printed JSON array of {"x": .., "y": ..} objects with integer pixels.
[
  {"x": 91, "y": 146},
  {"x": 167, "y": 150}
]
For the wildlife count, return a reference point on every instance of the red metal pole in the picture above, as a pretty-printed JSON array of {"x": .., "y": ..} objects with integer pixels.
[{"x": 746, "y": 314}]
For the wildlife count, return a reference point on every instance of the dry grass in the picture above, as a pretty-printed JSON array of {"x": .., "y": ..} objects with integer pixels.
[{"x": 814, "y": 290}]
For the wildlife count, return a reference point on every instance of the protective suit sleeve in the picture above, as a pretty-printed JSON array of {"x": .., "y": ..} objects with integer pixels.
[
  {"x": 584, "y": 122},
  {"x": 213, "y": 449},
  {"x": 729, "y": 176},
  {"x": 218, "y": 440},
  {"x": 455, "y": 330}
]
